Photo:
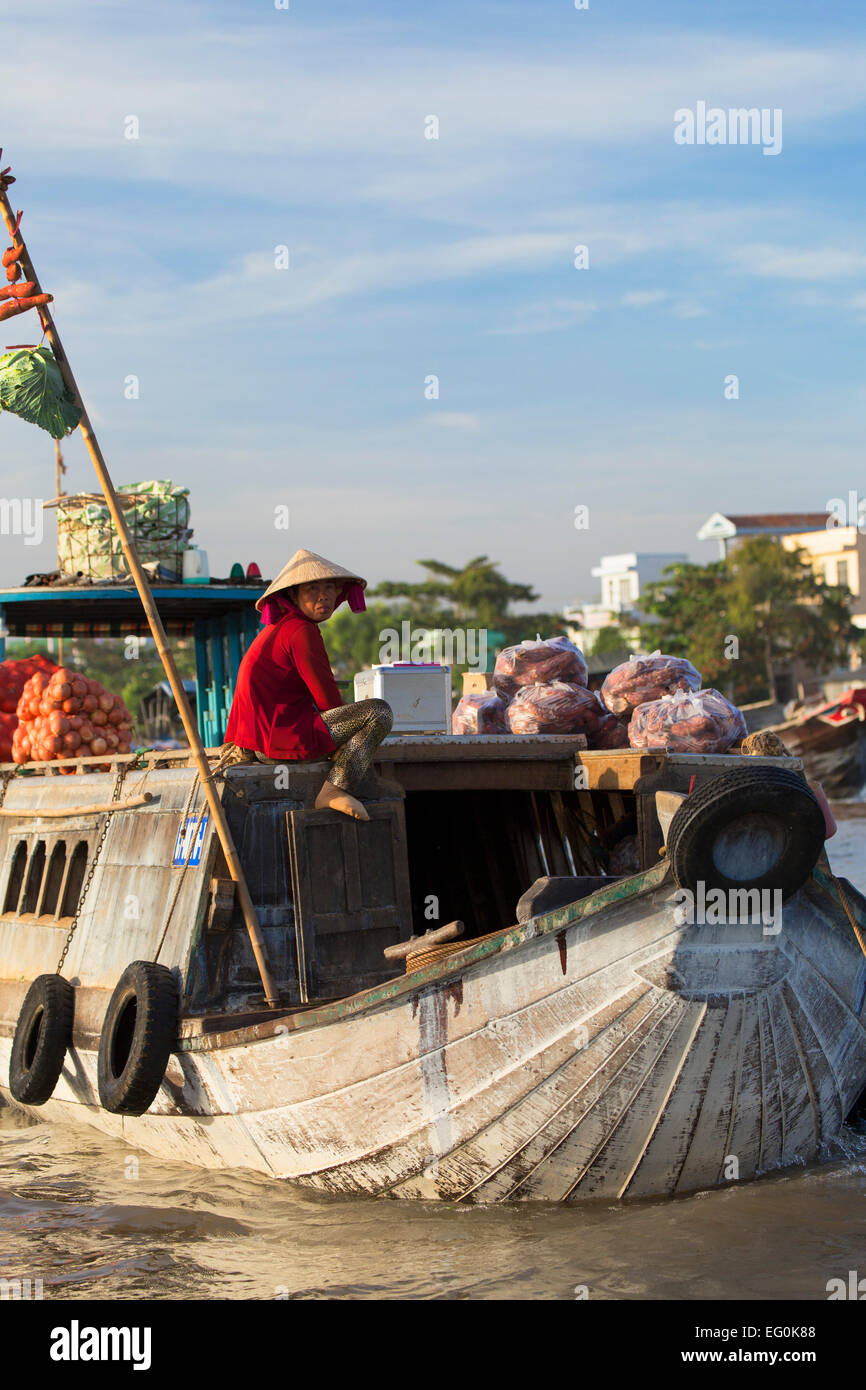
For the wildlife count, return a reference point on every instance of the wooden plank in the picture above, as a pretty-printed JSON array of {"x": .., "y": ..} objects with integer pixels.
[
  {"x": 618, "y": 769},
  {"x": 481, "y": 747},
  {"x": 675, "y": 1133},
  {"x": 744, "y": 1127},
  {"x": 801, "y": 1128},
  {"x": 621, "y": 769},
  {"x": 530, "y": 1099},
  {"x": 555, "y": 1157},
  {"x": 723, "y": 762},
  {"x": 619, "y": 1157},
  {"x": 63, "y": 812},
  {"x": 718, "y": 1098},
  {"x": 525, "y": 775},
  {"x": 350, "y": 881},
  {"x": 650, "y": 837},
  {"x": 92, "y": 761},
  {"x": 302, "y": 946}
]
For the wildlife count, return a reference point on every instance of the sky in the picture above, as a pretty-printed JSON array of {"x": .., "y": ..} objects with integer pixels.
[{"x": 262, "y": 386}]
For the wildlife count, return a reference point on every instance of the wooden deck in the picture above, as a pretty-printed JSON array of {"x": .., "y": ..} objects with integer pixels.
[{"x": 544, "y": 762}]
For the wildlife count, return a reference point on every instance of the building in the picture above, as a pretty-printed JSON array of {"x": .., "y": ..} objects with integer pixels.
[
  {"x": 836, "y": 553},
  {"x": 623, "y": 579},
  {"x": 729, "y": 529}
]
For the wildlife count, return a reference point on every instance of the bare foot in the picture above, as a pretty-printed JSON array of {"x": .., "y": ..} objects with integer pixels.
[{"x": 333, "y": 798}]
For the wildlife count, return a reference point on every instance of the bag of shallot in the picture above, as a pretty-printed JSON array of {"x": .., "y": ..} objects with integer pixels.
[
  {"x": 611, "y": 733},
  {"x": 538, "y": 663},
  {"x": 479, "y": 712},
  {"x": 700, "y": 721},
  {"x": 555, "y": 708},
  {"x": 645, "y": 678}
]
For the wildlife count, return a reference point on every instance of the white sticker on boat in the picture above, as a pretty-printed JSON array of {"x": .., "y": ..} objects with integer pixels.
[{"x": 190, "y": 828}]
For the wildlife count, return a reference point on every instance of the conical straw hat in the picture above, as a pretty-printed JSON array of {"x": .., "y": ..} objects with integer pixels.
[{"x": 303, "y": 568}]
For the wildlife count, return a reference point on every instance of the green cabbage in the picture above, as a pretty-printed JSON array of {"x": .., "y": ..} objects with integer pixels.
[{"x": 31, "y": 386}]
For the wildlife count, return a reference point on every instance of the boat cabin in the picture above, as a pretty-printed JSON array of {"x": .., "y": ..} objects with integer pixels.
[{"x": 460, "y": 828}]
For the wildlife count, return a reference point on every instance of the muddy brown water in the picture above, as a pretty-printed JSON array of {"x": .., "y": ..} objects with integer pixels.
[{"x": 93, "y": 1220}]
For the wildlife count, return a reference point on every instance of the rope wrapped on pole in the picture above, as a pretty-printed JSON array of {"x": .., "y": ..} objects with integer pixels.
[{"x": 215, "y": 806}]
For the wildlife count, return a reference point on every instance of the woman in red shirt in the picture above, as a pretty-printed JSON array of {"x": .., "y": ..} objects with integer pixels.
[{"x": 287, "y": 706}]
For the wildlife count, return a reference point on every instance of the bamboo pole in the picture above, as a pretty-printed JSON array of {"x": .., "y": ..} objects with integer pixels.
[
  {"x": 153, "y": 618},
  {"x": 59, "y": 470},
  {"x": 63, "y": 812}
]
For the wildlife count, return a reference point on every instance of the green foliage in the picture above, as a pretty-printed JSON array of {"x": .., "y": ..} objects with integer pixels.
[
  {"x": 353, "y": 640},
  {"x": 476, "y": 596},
  {"x": 743, "y": 619},
  {"x": 609, "y": 642}
]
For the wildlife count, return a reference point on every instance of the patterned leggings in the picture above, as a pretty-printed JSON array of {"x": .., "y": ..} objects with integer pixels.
[{"x": 357, "y": 729}]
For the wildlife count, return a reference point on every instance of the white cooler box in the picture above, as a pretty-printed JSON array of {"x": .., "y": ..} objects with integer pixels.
[{"x": 419, "y": 695}]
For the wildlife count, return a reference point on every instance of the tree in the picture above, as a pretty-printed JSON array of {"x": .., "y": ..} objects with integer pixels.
[
  {"x": 478, "y": 595},
  {"x": 688, "y": 606},
  {"x": 609, "y": 642},
  {"x": 354, "y": 640},
  {"x": 742, "y": 619}
]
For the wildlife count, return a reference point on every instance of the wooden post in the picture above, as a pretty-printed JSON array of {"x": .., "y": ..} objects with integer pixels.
[{"x": 153, "y": 618}]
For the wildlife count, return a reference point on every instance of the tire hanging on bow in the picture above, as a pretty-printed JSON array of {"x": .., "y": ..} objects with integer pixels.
[
  {"x": 42, "y": 1035},
  {"x": 138, "y": 1034}
]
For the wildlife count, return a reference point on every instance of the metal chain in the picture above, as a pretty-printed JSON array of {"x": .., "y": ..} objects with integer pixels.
[{"x": 115, "y": 796}]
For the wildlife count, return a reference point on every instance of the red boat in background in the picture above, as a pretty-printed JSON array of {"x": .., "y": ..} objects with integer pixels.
[
  {"x": 850, "y": 705},
  {"x": 831, "y": 740}
]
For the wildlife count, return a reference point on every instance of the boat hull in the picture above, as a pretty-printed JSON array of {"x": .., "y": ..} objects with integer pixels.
[
  {"x": 604, "y": 1050},
  {"x": 833, "y": 753}
]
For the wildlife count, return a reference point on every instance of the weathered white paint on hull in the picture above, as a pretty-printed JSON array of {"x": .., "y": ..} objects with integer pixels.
[{"x": 623, "y": 1055}]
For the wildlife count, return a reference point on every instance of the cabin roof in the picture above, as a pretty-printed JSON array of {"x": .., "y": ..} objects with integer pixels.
[{"x": 107, "y": 610}]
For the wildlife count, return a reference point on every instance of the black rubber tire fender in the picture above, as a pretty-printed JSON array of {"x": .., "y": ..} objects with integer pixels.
[
  {"x": 138, "y": 1035},
  {"x": 42, "y": 1035},
  {"x": 776, "y": 792}
]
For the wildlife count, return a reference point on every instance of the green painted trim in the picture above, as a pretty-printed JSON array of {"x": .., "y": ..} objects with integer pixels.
[{"x": 457, "y": 963}]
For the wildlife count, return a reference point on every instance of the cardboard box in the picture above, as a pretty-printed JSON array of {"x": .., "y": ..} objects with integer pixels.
[{"x": 477, "y": 680}]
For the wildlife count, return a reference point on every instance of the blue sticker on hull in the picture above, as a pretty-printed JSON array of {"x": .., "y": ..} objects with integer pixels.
[{"x": 191, "y": 829}]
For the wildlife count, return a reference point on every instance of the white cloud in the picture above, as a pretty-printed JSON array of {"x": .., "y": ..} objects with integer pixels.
[
  {"x": 206, "y": 98},
  {"x": 785, "y": 263},
  {"x": 642, "y": 299},
  {"x": 453, "y": 420},
  {"x": 548, "y": 316},
  {"x": 252, "y": 288},
  {"x": 264, "y": 131}
]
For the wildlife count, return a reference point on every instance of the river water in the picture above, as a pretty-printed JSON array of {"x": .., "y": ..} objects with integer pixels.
[{"x": 94, "y": 1221}]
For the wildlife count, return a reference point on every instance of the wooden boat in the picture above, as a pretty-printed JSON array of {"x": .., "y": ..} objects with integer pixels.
[
  {"x": 598, "y": 1047},
  {"x": 831, "y": 741},
  {"x": 603, "y": 1048}
]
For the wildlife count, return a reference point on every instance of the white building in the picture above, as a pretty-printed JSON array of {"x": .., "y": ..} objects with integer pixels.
[
  {"x": 623, "y": 579},
  {"x": 727, "y": 530},
  {"x": 837, "y": 553}
]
